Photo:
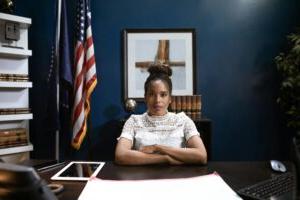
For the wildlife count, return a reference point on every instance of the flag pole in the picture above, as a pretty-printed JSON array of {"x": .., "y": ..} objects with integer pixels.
[{"x": 57, "y": 38}]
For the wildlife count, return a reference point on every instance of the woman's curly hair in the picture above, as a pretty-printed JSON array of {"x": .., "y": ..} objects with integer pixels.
[{"x": 159, "y": 72}]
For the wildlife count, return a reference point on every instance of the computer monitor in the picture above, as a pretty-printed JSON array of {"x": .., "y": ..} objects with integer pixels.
[{"x": 21, "y": 182}]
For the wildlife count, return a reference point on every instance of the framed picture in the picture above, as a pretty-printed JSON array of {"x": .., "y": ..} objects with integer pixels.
[{"x": 144, "y": 47}]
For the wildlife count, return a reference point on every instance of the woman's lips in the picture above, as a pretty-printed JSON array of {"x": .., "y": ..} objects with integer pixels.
[{"x": 157, "y": 107}]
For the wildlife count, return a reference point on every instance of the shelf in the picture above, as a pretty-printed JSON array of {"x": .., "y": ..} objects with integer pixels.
[
  {"x": 14, "y": 59},
  {"x": 12, "y": 84},
  {"x": 14, "y": 52},
  {"x": 12, "y": 150},
  {"x": 23, "y": 20},
  {"x": 16, "y": 117}
]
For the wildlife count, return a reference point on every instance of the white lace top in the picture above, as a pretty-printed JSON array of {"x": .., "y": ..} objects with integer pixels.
[{"x": 170, "y": 130}]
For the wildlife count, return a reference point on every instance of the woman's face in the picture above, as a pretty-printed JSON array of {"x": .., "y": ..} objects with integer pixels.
[{"x": 157, "y": 98}]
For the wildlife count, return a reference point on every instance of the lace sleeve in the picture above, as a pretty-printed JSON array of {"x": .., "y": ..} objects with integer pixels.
[{"x": 189, "y": 127}]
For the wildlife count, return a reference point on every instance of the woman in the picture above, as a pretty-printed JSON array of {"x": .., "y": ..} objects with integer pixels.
[{"x": 158, "y": 136}]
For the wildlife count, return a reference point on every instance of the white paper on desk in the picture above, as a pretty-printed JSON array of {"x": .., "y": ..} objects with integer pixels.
[{"x": 210, "y": 186}]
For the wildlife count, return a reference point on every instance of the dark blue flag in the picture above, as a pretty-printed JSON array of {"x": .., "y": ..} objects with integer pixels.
[
  {"x": 65, "y": 85},
  {"x": 60, "y": 79}
]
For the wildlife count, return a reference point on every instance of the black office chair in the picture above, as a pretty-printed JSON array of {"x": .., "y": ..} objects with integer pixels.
[{"x": 204, "y": 126}]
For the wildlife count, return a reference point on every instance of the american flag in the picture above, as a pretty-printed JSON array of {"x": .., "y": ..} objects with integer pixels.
[{"x": 85, "y": 72}]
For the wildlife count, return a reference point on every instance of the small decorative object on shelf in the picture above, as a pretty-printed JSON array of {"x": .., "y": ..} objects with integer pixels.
[
  {"x": 7, "y": 6},
  {"x": 12, "y": 35},
  {"x": 12, "y": 31},
  {"x": 130, "y": 105}
]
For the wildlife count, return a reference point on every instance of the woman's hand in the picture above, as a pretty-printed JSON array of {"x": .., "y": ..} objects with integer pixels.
[
  {"x": 125, "y": 155},
  {"x": 173, "y": 161},
  {"x": 149, "y": 149},
  {"x": 194, "y": 153},
  {"x": 154, "y": 149}
]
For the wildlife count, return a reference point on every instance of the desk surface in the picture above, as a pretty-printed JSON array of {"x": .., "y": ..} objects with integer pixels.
[{"x": 236, "y": 174}]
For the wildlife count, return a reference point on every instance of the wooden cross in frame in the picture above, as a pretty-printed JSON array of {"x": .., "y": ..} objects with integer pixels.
[{"x": 162, "y": 57}]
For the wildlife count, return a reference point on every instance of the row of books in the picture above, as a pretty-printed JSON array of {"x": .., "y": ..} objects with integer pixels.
[
  {"x": 11, "y": 111},
  {"x": 190, "y": 104},
  {"x": 13, "y": 137},
  {"x": 14, "y": 77}
]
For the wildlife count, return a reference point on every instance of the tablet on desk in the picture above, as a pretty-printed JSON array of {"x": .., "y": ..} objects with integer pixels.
[{"x": 78, "y": 171}]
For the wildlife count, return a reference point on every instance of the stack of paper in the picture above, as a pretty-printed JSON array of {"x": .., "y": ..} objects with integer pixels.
[{"x": 210, "y": 186}]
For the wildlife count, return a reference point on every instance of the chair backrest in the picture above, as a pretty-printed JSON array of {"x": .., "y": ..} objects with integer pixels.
[{"x": 204, "y": 126}]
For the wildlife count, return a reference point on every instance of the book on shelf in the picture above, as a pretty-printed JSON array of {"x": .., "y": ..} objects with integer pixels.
[
  {"x": 14, "y": 77},
  {"x": 183, "y": 103},
  {"x": 11, "y": 111},
  {"x": 14, "y": 144},
  {"x": 18, "y": 138},
  {"x": 12, "y": 132},
  {"x": 178, "y": 104},
  {"x": 172, "y": 107},
  {"x": 13, "y": 137},
  {"x": 190, "y": 104}
]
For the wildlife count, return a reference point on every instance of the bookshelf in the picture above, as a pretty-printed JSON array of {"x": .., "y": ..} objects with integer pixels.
[
  {"x": 14, "y": 150},
  {"x": 10, "y": 84},
  {"x": 14, "y": 93},
  {"x": 14, "y": 53},
  {"x": 6, "y": 118}
]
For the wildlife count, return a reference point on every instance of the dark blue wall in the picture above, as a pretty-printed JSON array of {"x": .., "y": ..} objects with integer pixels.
[{"x": 236, "y": 42}]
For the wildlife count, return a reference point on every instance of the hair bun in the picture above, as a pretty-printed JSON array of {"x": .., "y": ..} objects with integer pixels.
[{"x": 160, "y": 69}]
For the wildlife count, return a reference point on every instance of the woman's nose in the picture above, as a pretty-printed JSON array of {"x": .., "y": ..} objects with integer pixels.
[{"x": 157, "y": 98}]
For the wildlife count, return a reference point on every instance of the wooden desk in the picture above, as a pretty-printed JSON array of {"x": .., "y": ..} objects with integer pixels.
[{"x": 236, "y": 174}]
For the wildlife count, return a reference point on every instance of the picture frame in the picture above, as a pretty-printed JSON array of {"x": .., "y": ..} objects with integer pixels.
[{"x": 144, "y": 47}]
